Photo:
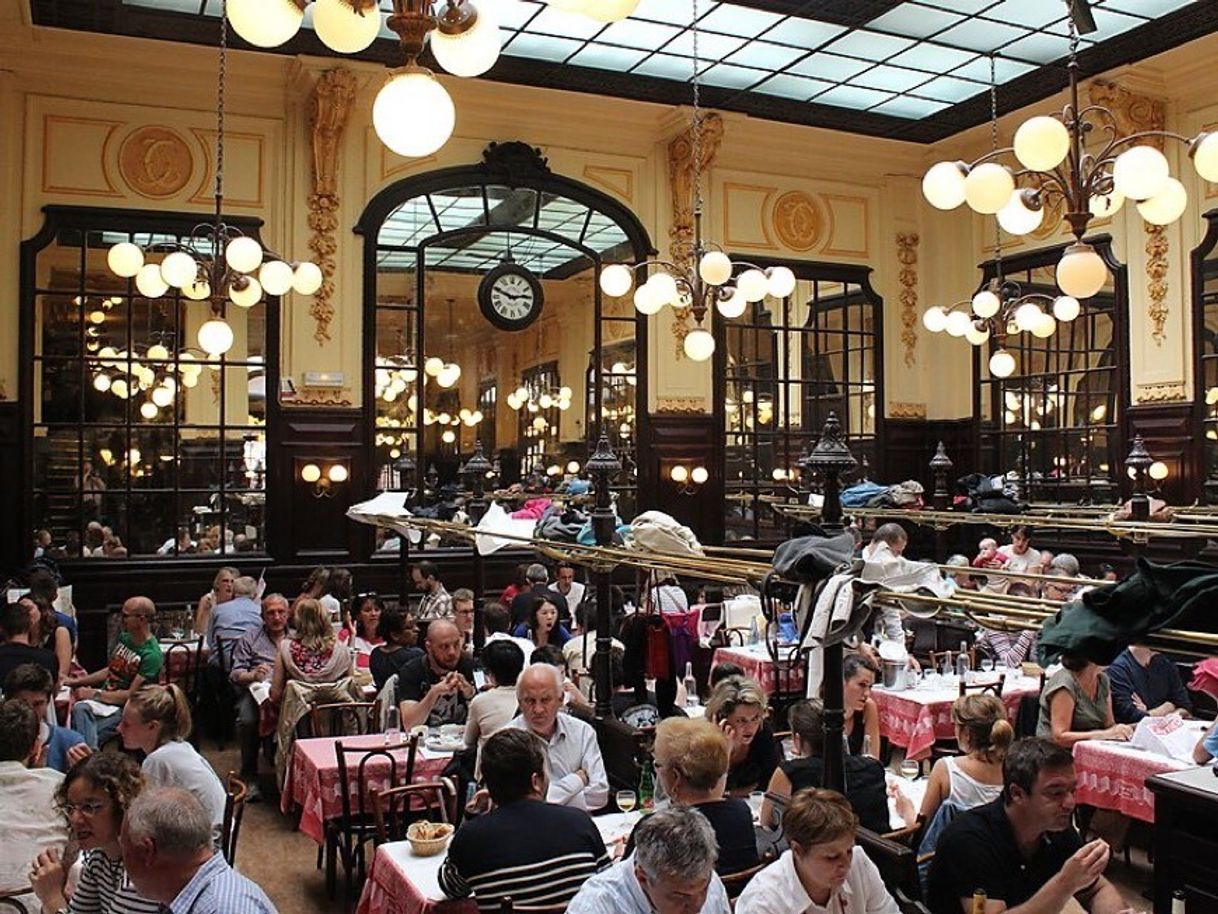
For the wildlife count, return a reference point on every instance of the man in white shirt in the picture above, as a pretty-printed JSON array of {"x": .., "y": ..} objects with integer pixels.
[
  {"x": 577, "y": 771},
  {"x": 32, "y": 824},
  {"x": 672, "y": 871},
  {"x": 565, "y": 584},
  {"x": 497, "y": 620}
]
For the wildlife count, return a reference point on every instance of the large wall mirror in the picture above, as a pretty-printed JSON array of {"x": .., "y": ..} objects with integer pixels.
[
  {"x": 1057, "y": 421},
  {"x": 1205, "y": 345},
  {"x": 138, "y": 443},
  {"x": 482, "y": 289}
]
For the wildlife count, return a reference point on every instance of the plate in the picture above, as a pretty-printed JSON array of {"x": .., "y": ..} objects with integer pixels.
[{"x": 439, "y": 744}]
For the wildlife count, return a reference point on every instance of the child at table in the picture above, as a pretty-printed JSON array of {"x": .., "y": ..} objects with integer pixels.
[{"x": 988, "y": 555}]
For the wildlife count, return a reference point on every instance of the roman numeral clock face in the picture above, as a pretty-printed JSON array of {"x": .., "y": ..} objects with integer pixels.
[{"x": 510, "y": 297}]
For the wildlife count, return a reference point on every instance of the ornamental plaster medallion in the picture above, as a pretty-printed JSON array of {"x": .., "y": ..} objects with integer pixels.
[
  {"x": 797, "y": 221},
  {"x": 155, "y": 162}
]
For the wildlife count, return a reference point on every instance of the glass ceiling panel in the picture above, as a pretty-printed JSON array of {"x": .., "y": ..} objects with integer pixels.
[{"x": 767, "y": 53}]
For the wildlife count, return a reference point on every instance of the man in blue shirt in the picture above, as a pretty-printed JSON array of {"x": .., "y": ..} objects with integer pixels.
[
  {"x": 232, "y": 620},
  {"x": 1146, "y": 684},
  {"x": 166, "y": 841},
  {"x": 33, "y": 685}
]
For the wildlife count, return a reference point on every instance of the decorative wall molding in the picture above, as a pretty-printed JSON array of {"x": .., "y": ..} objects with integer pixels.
[
  {"x": 618, "y": 181},
  {"x": 155, "y": 161},
  {"x": 1162, "y": 392},
  {"x": 798, "y": 221},
  {"x": 308, "y": 397},
  {"x": 329, "y": 106},
  {"x": 907, "y": 256},
  {"x": 907, "y": 410},
  {"x": 686, "y": 406},
  {"x": 1156, "y": 280}
]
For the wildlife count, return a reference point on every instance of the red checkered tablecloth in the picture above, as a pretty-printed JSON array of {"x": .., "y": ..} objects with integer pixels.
[
  {"x": 312, "y": 782},
  {"x": 1113, "y": 776},
  {"x": 757, "y": 664},
  {"x": 915, "y": 718}
]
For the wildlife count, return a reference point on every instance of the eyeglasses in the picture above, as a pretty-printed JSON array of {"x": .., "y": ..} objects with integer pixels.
[
  {"x": 367, "y": 595},
  {"x": 88, "y": 810}
]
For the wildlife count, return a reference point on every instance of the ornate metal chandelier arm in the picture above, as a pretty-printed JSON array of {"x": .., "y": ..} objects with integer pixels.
[{"x": 991, "y": 156}]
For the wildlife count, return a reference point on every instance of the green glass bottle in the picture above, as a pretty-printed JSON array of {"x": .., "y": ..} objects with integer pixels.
[{"x": 647, "y": 787}]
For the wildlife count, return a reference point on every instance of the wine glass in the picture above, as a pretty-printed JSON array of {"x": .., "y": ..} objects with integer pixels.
[
  {"x": 626, "y": 800},
  {"x": 910, "y": 769},
  {"x": 987, "y": 665}
]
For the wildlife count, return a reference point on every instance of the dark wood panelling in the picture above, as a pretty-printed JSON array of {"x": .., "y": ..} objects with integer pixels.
[
  {"x": 687, "y": 440},
  {"x": 13, "y": 539},
  {"x": 910, "y": 443},
  {"x": 1172, "y": 434}
]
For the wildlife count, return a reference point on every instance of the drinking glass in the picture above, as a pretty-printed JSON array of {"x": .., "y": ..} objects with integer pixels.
[
  {"x": 626, "y": 800},
  {"x": 987, "y": 665},
  {"x": 910, "y": 769},
  {"x": 756, "y": 798},
  {"x": 393, "y": 733}
]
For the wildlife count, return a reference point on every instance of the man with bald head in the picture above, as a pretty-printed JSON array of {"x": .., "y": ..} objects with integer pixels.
[
  {"x": 577, "y": 771},
  {"x": 435, "y": 689},
  {"x": 135, "y": 661}
]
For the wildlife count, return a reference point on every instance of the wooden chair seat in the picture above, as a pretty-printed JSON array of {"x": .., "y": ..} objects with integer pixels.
[{"x": 344, "y": 718}]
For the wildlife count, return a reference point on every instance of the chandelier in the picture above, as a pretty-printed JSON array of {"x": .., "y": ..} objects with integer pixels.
[
  {"x": 706, "y": 278},
  {"x": 217, "y": 264},
  {"x": 446, "y": 373},
  {"x": 600, "y": 10},
  {"x": 1056, "y": 166}
]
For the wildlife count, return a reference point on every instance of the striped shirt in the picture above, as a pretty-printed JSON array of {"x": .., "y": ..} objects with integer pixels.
[
  {"x": 534, "y": 852},
  {"x": 105, "y": 889},
  {"x": 216, "y": 888}
]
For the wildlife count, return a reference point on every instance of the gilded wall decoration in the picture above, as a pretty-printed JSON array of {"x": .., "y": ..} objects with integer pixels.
[
  {"x": 681, "y": 184},
  {"x": 797, "y": 220},
  {"x": 1163, "y": 392},
  {"x": 329, "y": 107},
  {"x": 907, "y": 256},
  {"x": 907, "y": 410},
  {"x": 155, "y": 162},
  {"x": 1156, "y": 280},
  {"x": 310, "y": 397},
  {"x": 686, "y": 406}
]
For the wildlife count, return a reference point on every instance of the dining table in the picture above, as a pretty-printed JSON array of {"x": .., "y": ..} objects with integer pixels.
[{"x": 758, "y": 665}]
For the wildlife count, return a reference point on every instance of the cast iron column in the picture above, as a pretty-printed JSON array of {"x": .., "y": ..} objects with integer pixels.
[
  {"x": 1139, "y": 460},
  {"x": 940, "y": 464},
  {"x": 602, "y": 466},
  {"x": 475, "y": 470}
]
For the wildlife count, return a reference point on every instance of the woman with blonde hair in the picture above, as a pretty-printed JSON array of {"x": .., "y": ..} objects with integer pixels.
[
  {"x": 738, "y": 707},
  {"x": 221, "y": 592},
  {"x": 312, "y": 653},
  {"x": 156, "y": 720}
]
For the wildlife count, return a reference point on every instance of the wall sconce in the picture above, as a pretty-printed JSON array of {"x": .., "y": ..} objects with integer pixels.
[
  {"x": 323, "y": 479},
  {"x": 688, "y": 480}
]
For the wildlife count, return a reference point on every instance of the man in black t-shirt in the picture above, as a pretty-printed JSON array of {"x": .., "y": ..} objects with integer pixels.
[
  {"x": 435, "y": 689},
  {"x": 1022, "y": 850},
  {"x": 16, "y": 624}
]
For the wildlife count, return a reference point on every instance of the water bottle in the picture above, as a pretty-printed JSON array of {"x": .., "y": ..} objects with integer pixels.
[
  {"x": 867, "y": 744},
  {"x": 393, "y": 732},
  {"x": 1177, "y": 902},
  {"x": 647, "y": 788},
  {"x": 962, "y": 662},
  {"x": 754, "y": 634},
  {"x": 691, "y": 686}
]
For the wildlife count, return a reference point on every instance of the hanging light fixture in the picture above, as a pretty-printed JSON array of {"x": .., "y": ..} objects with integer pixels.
[
  {"x": 600, "y": 10},
  {"x": 445, "y": 373},
  {"x": 1056, "y": 166},
  {"x": 535, "y": 397},
  {"x": 706, "y": 278},
  {"x": 217, "y": 263}
]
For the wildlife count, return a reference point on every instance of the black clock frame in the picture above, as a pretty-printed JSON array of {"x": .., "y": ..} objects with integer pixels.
[{"x": 485, "y": 287}]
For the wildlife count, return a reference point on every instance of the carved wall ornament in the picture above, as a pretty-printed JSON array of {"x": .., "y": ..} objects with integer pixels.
[
  {"x": 687, "y": 406},
  {"x": 907, "y": 256},
  {"x": 319, "y": 398},
  {"x": 797, "y": 220},
  {"x": 1162, "y": 392},
  {"x": 907, "y": 410},
  {"x": 329, "y": 108},
  {"x": 1156, "y": 280},
  {"x": 156, "y": 162}
]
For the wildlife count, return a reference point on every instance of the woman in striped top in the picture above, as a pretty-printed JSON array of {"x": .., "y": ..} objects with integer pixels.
[{"x": 94, "y": 796}]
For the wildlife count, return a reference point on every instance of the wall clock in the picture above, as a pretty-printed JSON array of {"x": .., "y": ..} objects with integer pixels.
[{"x": 510, "y": 296}]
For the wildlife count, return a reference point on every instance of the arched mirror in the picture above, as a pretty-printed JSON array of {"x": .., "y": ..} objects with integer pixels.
[
  {"x": 1205, "y": 345},
  {"x": 481, "y": 284}
]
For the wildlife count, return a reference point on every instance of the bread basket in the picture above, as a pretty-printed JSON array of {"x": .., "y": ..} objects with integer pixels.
[{"x": 428, "y": 838}]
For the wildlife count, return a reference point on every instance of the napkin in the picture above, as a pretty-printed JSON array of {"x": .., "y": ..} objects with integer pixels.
[
  {"x": 99, "y": 709},
  {"x": 261, "y": 691}
]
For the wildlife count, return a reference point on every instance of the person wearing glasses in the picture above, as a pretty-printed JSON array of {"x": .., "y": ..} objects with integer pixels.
[
  {"x": 94, "y": 798},
  {"x": 135, "y": 661},
  {"x": 463, "y": 616}
]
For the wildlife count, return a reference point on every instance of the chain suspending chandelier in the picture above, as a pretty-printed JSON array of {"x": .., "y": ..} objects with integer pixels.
[
  {"x": 706, "y": 278},
  {"x": 1056, "y": 166},
  {"x": 217, "y": 263}
]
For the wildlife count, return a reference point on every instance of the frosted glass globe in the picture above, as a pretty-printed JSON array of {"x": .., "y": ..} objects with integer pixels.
[
  {"x": 1002, "y": 364},
  {"x": 1066, "y": 308},
  {"x": 101, "y": 383},
  {"x": 433, "y": 366},
  {"x": 988, "y": 187},
  {"x": 179, "y": 269},
  {"x": 1140, "y": 172},
  {"x": 472, "y": 52},
  {"x": 663, "y": 287},
  {"x": 977, "y": 335},
  {"x": 943, "y": 185},
  {"x": 216, "y": 337},
  {"x": 248, "y": 295},
  {"x": 1044, "y": 327},
  {"x": 162, "y": 396},
  {"x": 934, "y": 319},
  {"x": 678, "y": 474},
  {"x": 646, "y": 301},
  {"x": 448, "y": 376},
  {"x": 753, "y": 285},
  {"x": 1081, "y": 272},
  {"x": 149, "y": 281},
  {"x": 148, "y": 410},
  {"x": 310, "y": 472},
  {"x": 243, "y": 254},
  {"x": 734, "y": 305},
  {"x": 958, "y": 323},
  {"x": 1205, "y": 156},
  {"x": 1105, "y": 205},
  {"x": 125, "y": 259},
  {"x": 1167, "y": 205},
  {"x": 986, "y": 303},
  {"x": 119, "y": 389},
  {"x": 616, "y": 280},
  {"x": 715, "y": 268},
  {"x": 782, "y": 281},
  {"x": 1157, "y": 471},
  {"x": 1018, "y": 218},
  {"x": 1027, "y": 316},
  {"x": 1042, "y": 143},
  {"x": 699, "y": 345},
  {"x": 610, "y": 10},
  {"x": 306, "y": 278},
  {"x": 699, "y": 475},
  {"x": 199, "y": 290},
  {"x": 276, "y": 277},
  {"x": 157, "y": 352},
  {"x": 343, "y": 29},
  {"x": 413, "y": 114},
  {"x": 265, "y": 23}
]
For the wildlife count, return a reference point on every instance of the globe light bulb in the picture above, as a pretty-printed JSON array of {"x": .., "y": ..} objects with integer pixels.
[
  {"x": 943, "y": 185},
  {"x": 149, "y": 281},
  {"x": 433, "y": 366},
  {"x": 1002, "y": 364},
  {"x": 988, "y": 187},
  {"x": 1081, "y": 272},
  {"x": 1026, "y": 316},
  {"x": 663, "y": 287},
  {"x": 1167, "y": 205},
  {"x": 986, "y": 303},
  {"x": 958, "y": 323},
  {"x": 179, "y": 269},
  {"x": 344, "y": 29},
  {"x": 148, "y": 409},
  {"x": 699, "y": 475},
  {"x": 310, "y": 472},
  {"x": 215, "y": 337},
  {"x": 1140, "y": 172},
  {"x": 157, "y": 352},
  {"x": 162, "y": 396},
  {"x": 545, "y": 401},
  {"x": 265, "y": 23},
  {"x": 977, "y": 335},
  {"x": 1204, "y": 152},
  {"x": 522, "y": 394},
  {"x": 338, "y": 472},
  {"x": 97, "y": 317},
  {"x": 646, "y": 301},
  {"x": 715, "y": 268},
  {"x": 1044, "y": 327},
  {"x": 1157, "y": 471},
  {"x": 413, "y": 114},
  {"x": 248, "y": 295},
  {"x": 734, "y": 305},
  {"x": 101, "y": 382},
  {"x": 753, "y": 285},
  {"x": 1066, "y": 308},
  {"x": 119, "y": 388},
  {"x": 1042, "y": 143},
  {"x": 276, "y": 277},
  {"x": 1018, "y": 217},
  {"x": 679, "y": 474},
  {"x": 616, "y": 280},
  {"x": 472, "y": 52},
  {"x": 699, "y": 345},
  {"x": 199, "y": 290},
  {"x": 782, "y": 281},
  {"x": 125, "y": 259},
  {"x": 1104, "y": 206},
  {"x": 243, "y": 254},
  {"x": 934, "y": 319},
  {"x": 307, "y": 278}
]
